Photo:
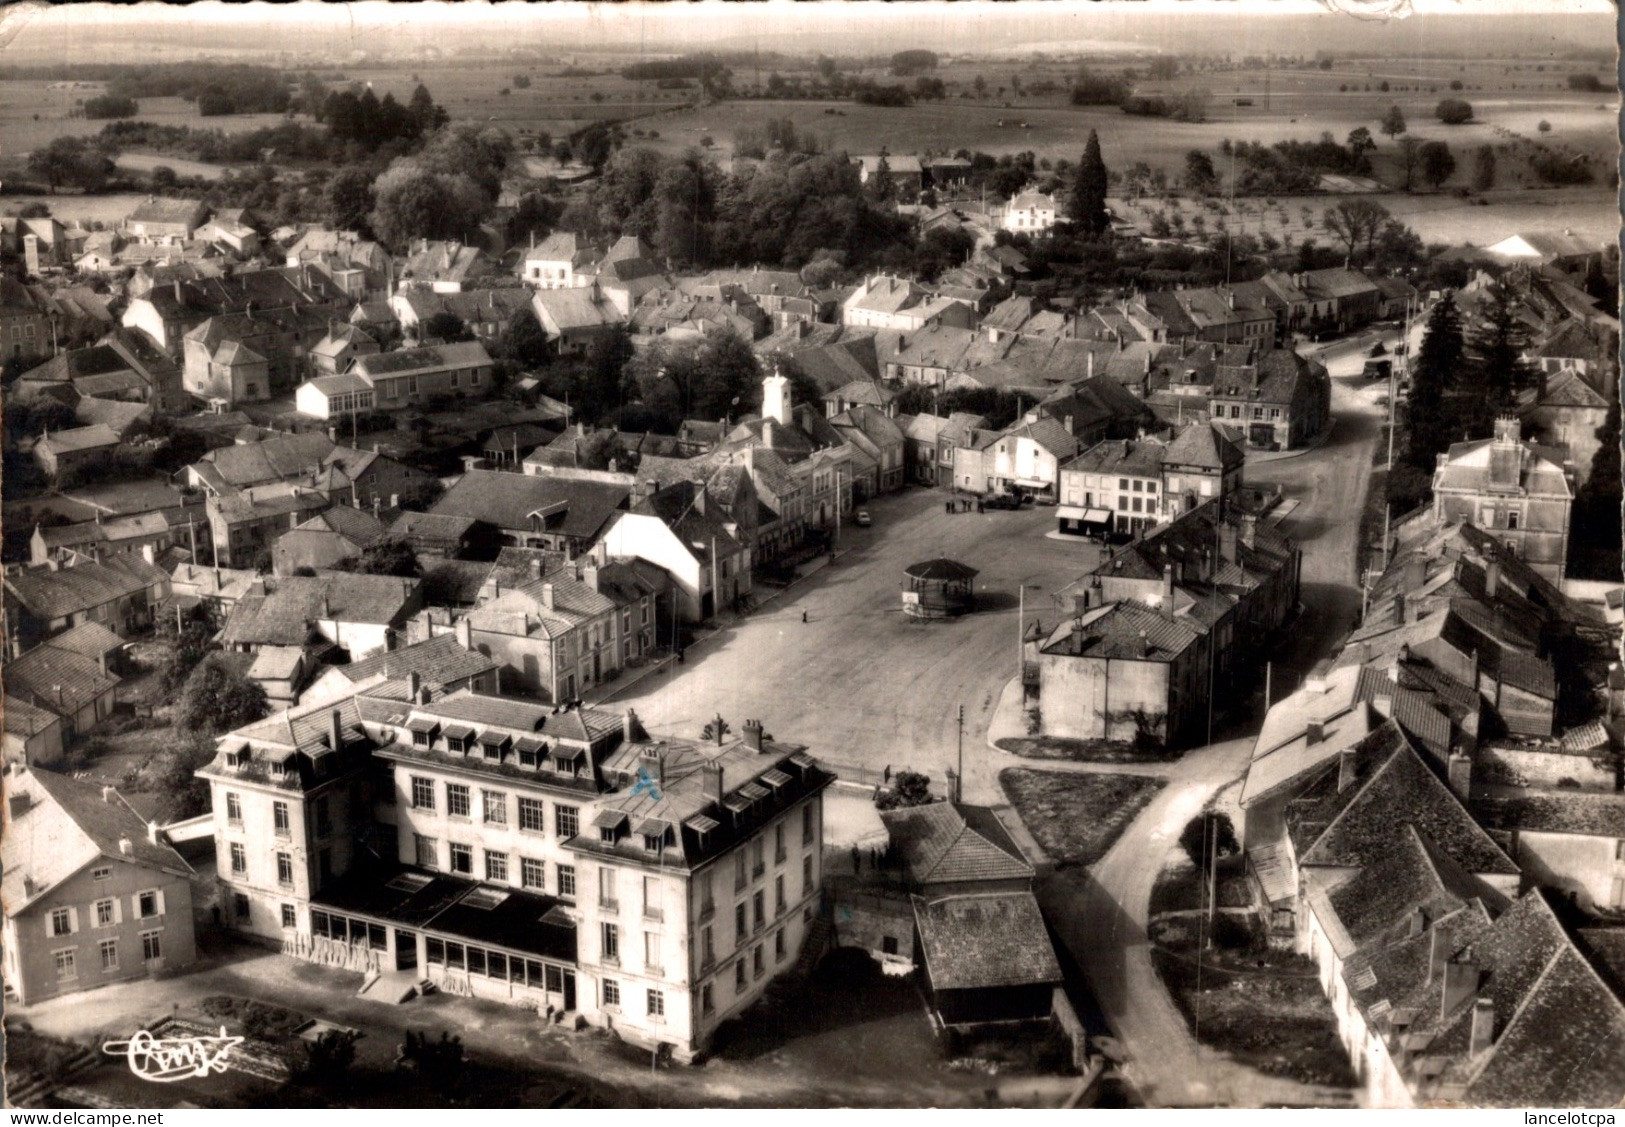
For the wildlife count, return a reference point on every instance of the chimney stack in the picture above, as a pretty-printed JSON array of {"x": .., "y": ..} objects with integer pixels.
[
  {"x": 1438, "y": 953},
  {"x": 547, "y": 596},
  {"x": 712, "y": 773},
  {"x": 1460, "y": 985},
  {"x": 335, "y": 730},
  {"x": 1482, "y": 1033},
  {"x": 753, "y": 735},
  {"x": 152, "y": 833},
  {"x": 413, "y": 684},
  {"x": 126, "y": 847},
  {"x": 1249, "y": 529},
  {"x": 1418, "y": 922},
  {"x": 631, "y": 730},
  {"x": 22, "y": 802},
  {"x": 1492, "y": 578},
  {"x": 1345, "y": 771},
  {"x": 1460, "y": 771},
  {"x": 717, "y": 727},
  {"x": 1314, "y": 733},
  {"x": 465, "y": 633},
  {"x": 1168, "y": 587},
  {"x": 109, "y": 794}
]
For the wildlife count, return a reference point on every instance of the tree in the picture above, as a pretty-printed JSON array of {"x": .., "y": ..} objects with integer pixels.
[
  {"x": 525, "y": 342},
  {"x": 1438, "y": 163},
  {"x": 1206, "y": 834},
  {"x": 908, "y": 788},
  {"x": 1436, "y": 374},
  {"x": 1360, "y": 142},
  {"x": 439, "y": 1063},
  {"x": 349, "y": 199},
  {"x": 1393, "y": 122},
  {"x": 1453, "y": 111},
  {"x": 882, "y": 188},
  {"x": 1409, "y": 156},
  {"x": 1484, "y": 169},
  {"x": 217, "y": 698},
  {"x": 1200, "y": 176},
  {"x": 418, "y": 494},
  {"x": 70, "y": 162},
  {"x": 173, "y": 774},
  {"x": 387, "y": 557},
  {"x": 1088, "y": 203},
  {"x": 1355, "y": 221},
  {"x": 445, "y": 326},
  {"x": 602, "y": 384},
  {"x": 415, "y": 203},
  {"x": 1495, "y": 351}
]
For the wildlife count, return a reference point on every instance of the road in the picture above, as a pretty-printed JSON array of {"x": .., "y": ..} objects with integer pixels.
[{"x": 860, "y": 684}]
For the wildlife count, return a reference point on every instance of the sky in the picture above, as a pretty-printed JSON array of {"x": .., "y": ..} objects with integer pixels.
[{"x": 970, "y": 25}]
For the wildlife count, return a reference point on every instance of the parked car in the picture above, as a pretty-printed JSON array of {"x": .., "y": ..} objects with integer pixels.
[
  {"x": 862, "y": 519},
  {"x": 1001, "y": 501}
]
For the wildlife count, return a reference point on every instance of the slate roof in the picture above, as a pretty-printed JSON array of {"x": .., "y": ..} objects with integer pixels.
[
  {"x": 23, "y": 719},
  {"x": 506, "y": 501},
  {"x": 157, "y": 209},
  {"x": 985, "y": 941},
  {"x": 937, "y": 845},
  {"x": 1124, "y": 630},
  {"x": 1201, "y": 444},
  {"x": 276, "y": 458},
  {"x": 49, "y": 594},
  {"x": 1467, "y": 468},
  {"x": 70, "y": 824},
  {"x": 1413, "y": 875},
  {"x": 575, "y": 309}
]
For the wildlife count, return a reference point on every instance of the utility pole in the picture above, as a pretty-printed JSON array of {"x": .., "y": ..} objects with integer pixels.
[
  {"x": 1021, "y": 636},
  {"x": 959, "y": 784},
  {"x": 1269, "y": 676}
]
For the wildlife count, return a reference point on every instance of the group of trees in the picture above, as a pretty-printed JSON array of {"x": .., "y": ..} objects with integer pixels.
[
  {"x": 790, "y": 209},
  {"x": 111, "y": 105},
  {"x": 1453, "y": 111},
  {"x": 217, "y": 88},
  {"x": 443, "y": 191},
  {"x": 72, "y": 162},
  {"x": 361, "y": 116}
]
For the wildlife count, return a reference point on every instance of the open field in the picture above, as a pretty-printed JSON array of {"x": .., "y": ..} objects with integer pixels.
[
  {"x": 86, "y": 210},
  {"x": 1437, "y": 217},
  {"x": 32, "y": 113}
]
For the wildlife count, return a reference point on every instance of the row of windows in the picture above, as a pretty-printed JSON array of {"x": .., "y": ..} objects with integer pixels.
[
  {"x": 107, "y": 911},
  {"x": 1235, "y": 412},
  {"x": 496, "y": 867},
  {"x": 281, "y": 817},
  {"x": 532, "y": 812},
  {"x": 66, "y": 959}
]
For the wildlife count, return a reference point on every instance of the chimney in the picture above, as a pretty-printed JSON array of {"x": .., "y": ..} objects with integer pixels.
[
  {"x": 1492, "y": 578},
  {"x": 465, "y": 633},
  {"x": 1315, "y": 733},
  {"x": 1418, "y": 922},
  {"x": 535, "y": 565},
  {"x": 152, "y": 833},
  {"x": 753, "y": 735},
  {"x": 1460, "y": 771},
  {"x": 1227, "y": 543},
  {"x": 21, "y": 803},
  {"x": 1416, "y": 572},
  {"x": 547, "y": 595},
  {"x": 630, "y": 728},
  {"x": 1438, "y": 953},
  {"x": 335, "y": 730},
  {"x": 1460, "y": 984},
  {"x": 712, "y": 773},
  {"x": 1249, "y": 529},
  {"x": 1399, "y": 608},
  {"x": 717, "y": 726},
  {"x": 126, "y": 847},
  {"x": 1168, "y": 587},
  {"x": 1066, "y": 421},
  {"x": 413, "y": 684},
  {"x": 767, "y": 433},
  {"x": 177, "y": 289},
  {"x": 109, "y": 794},
  {"x": 1482, "y": 1033},
  {"x": 589, "y": 574},
  {"x": 1345, "y": 771}
]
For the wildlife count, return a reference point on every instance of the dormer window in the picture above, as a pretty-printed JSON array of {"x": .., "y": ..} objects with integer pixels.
[
  {"x": 491, "y": 745},
  {"x": 459, "y": 739},
  {"x": 531, "y": 751},
  {"x": 423, "y": 731},
  {"x": 611, "y": 825}
]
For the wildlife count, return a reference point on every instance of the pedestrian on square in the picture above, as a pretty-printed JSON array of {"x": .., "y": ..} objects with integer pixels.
[
  {"x": 803, "y": 616},
  {"x": 888, "y": 774},
  {"x": 856, "y": 859}
]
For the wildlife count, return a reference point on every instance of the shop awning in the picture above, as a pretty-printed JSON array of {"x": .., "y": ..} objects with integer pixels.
[{"x": 1032, "y": 483}]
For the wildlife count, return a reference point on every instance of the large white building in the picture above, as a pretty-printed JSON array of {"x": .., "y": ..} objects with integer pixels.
[{"x": 503, "y": 849}]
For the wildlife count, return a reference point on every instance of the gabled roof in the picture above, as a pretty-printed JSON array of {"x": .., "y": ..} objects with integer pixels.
[
  {"x": 88, "y": 639},
  {"x": 434, "y": 358},
  {"x": 985, "y": 941},
  {"x": 58, "y": 680},
  {"x": 286, "y": 614},
  {"x": 1400, "y": 790},
  {"x": 97, "y": 436},
  {"x": 160, "y": 210},
  {"x": 937, "y": 845},
  {"x": 439, "y": 661},
  {"x": 57, "y": 593},
  {"x": 70, "y": 824}
]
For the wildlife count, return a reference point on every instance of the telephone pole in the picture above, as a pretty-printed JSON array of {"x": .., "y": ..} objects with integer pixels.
[{"x": 959, "y": 781}]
